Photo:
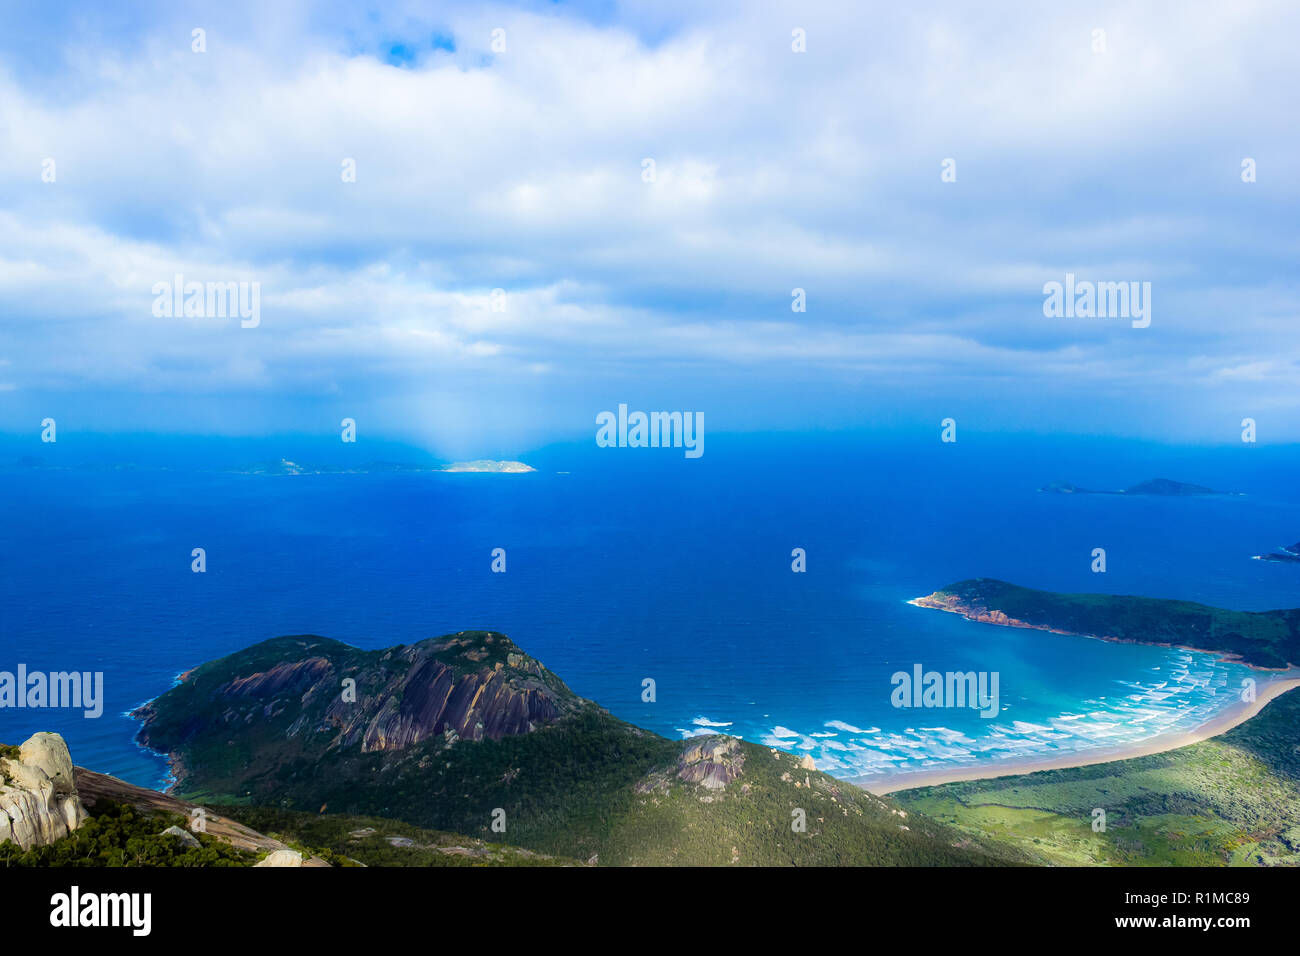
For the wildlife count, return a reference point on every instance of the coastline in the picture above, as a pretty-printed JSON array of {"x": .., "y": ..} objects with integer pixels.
[
  {"x": 981, "y": 615},
  {"x": 175, "y": 768},
  {"x": 1238, "y": 713}
]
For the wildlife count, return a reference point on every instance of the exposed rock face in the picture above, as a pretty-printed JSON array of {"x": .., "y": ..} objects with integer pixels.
[
  {"x": 329, "y": 696},
  {"x": 712, "y": 762},
  {"x": 954, "y": 604},
  {"x": 434, "y": 700},
  {"x": 281, "y": 678},
  {"x": 281, "y": 858},
  {"x": 38, "y": 793}
]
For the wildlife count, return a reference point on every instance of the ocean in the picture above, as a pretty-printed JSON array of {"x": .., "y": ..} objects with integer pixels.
[{"x": 630, "y": 564}]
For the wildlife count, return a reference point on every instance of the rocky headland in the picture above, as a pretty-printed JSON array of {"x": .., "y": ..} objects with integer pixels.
[{"x": 1264, "y": 639}]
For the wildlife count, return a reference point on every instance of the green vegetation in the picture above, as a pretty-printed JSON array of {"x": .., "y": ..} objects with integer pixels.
[
  {"x": 1231, "y": 800},
  {"x": 265, "y": 728},
  {"x": 1262, "y": 638},
  {"x": 352, "y": 840},
  {"x": 121, "y": 835},
  {"x": 571, "y": 790}
]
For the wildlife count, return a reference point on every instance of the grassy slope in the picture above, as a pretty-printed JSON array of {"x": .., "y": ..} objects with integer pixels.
[
  {"x": 1263, "y": 638},
  {"x": 570, "y": 790},
  {"x": 1234, "y": 799},
  {"x": 369, "y": 840}
]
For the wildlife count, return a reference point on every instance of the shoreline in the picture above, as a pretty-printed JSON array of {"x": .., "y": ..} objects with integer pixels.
[
  {"x": 1232, "y": 716},
  {"x": 980, "y": 615},
  {"x": 172, "y": 778}
]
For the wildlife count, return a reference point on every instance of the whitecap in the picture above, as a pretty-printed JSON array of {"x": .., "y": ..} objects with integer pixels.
[{"x": 705, "y": 722}]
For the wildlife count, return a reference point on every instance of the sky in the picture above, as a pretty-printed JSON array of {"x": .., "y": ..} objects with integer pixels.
[{"x": 505, "y": 147}]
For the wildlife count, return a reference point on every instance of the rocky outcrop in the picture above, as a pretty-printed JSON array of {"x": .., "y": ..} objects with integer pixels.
[
  {"x": 38, "y": 793},
  {"x": 187, "y": 839},
  {"x": 433, "y": 700},
  {"x": 279, "y": 679},
  {"x": 711, "y": 762},
  {"x": 975, "y": 611},
  {"x": 281, "y": 858},
  {"x": 326, "y": 695}
]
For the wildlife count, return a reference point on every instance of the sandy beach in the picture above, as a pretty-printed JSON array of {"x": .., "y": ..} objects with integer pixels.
[{"x": 1236, "y": 714}]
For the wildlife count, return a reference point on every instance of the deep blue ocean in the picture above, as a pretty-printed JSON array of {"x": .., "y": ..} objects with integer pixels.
[{"x": 625, "y": 564}]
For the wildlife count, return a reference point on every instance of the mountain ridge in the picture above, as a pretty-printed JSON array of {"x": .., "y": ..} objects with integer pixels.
[{"x": 560, "y": 775}]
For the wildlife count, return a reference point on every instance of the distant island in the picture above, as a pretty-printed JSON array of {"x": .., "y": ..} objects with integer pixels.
[
  {"x": 493, "y": 467},
  {"x": 1290, "y": 553},
  {"x": 1265, "y": 639},
  {"x": 1162, "y": 487},
  {"x": 286, "y": 467}
]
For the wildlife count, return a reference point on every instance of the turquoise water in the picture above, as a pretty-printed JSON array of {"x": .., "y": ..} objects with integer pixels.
[{"x": 640, "y": 564}]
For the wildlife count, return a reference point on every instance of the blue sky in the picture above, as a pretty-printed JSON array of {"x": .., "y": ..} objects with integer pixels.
[{"x": 522, "y": 170}]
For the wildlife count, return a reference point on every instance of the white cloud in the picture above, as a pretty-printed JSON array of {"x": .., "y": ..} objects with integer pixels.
[{"x": 773, "y": 170}]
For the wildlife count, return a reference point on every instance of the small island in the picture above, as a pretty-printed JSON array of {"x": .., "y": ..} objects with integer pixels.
[
  {"x": 286, "y": 467},
  {"x": 489, "y": 467},
  {"x": 1156, "y": 487}
]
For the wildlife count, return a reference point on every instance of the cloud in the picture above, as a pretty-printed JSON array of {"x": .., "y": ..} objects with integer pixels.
[{"x": 522, "y": 171}]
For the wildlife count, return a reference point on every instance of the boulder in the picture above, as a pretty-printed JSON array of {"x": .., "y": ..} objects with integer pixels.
[
  {"x": 49, "y": 753},
  {"x": 38, "y": 793},
  {"x": 711, "y": 762},
  {"x": 187, "y": 839}
]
